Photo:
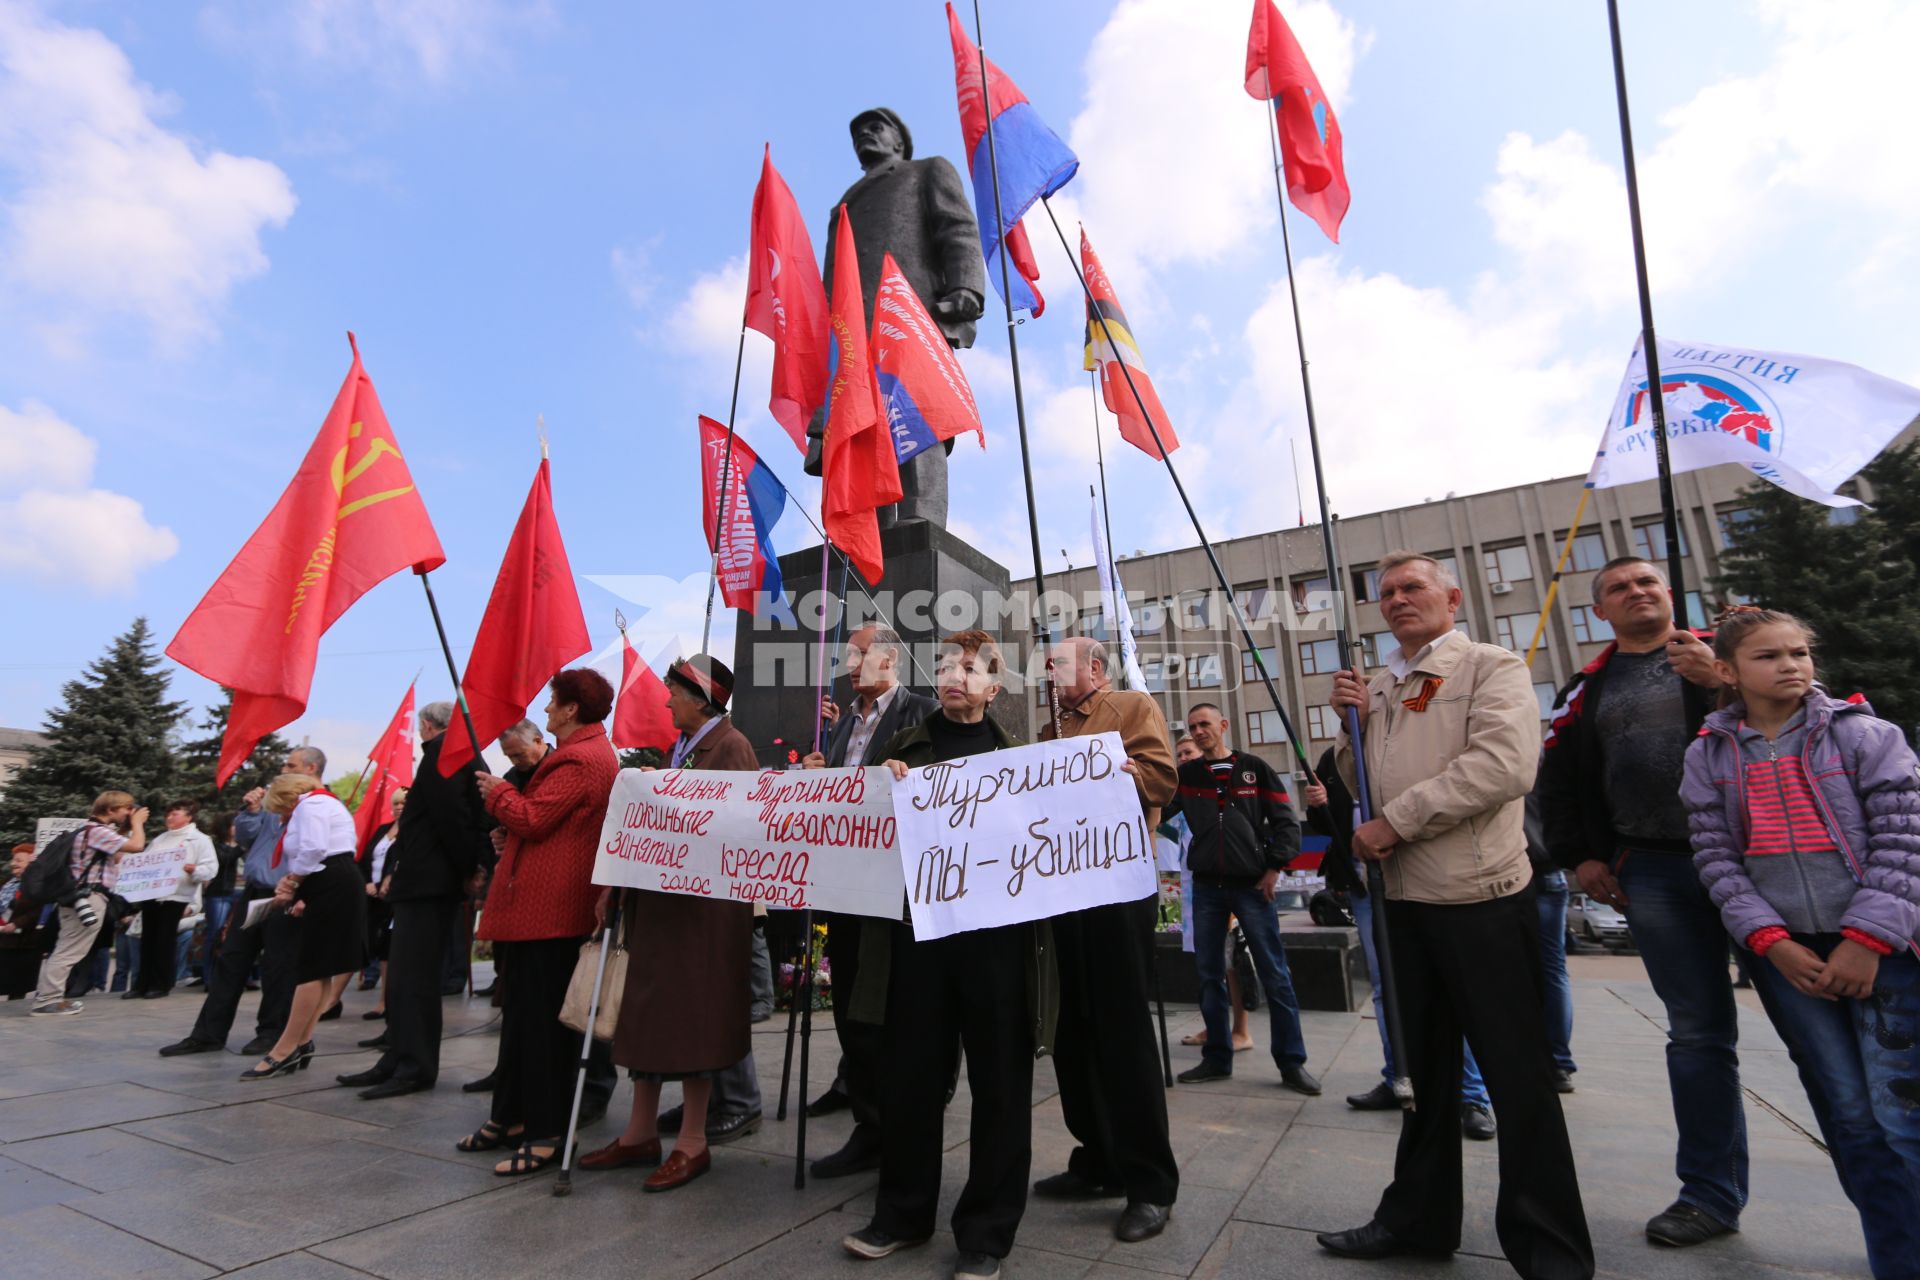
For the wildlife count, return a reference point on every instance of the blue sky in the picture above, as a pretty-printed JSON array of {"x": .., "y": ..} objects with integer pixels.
[{"x": 528, "y": 209}]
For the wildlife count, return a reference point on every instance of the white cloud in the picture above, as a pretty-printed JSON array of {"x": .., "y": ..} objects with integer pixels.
[
  {"x": 404, "y": 42},
  {"x": 58, "y": 528},
  {"x": 109, "y": 212}
]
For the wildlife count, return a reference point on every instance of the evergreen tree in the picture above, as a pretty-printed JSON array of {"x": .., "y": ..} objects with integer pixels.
[
  {"x": 643, "y": 758},
  {"x": 112, "y": 731},
  {"x": 1855, "y": 581},
  {"x": 199, "y": 760}
]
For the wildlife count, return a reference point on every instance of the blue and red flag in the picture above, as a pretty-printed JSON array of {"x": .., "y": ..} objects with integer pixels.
[
  {"x": 923, "y": 390},
  {"x": 1311, "y": 148},
  {"x": 755, "y": 500},
  {"x": 1032, "y": 161}
]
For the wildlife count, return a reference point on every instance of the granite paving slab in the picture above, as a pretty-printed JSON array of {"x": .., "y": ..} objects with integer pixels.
[
  {"x": 108, "y": 1159},
  {"x": 55, "y": 1243},
  {"x": 68, "y": 1110}
]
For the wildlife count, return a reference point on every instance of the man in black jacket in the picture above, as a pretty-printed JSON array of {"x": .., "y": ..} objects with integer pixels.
[
  {"x": 442, "y": 841},
  {"x": 881, "y": 708},
  {"x": 1244, "y": 835}
]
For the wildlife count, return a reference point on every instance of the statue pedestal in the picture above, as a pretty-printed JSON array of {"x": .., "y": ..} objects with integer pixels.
[{"x": 935, "y": 584}]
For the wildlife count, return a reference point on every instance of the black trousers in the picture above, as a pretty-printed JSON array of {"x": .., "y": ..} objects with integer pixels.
[
  {"x": 861, "y": 1043},
  {"x": 967, "y": 991},
  {"x": 1474, "y": 970},
  {"x": 1107, "y": 1060},
  {"x": 533, "y": 1082},
  {"x": 274, "y": 942},
  {"x": 159, "y": 931},
  {"x": 416, "y": 952}
]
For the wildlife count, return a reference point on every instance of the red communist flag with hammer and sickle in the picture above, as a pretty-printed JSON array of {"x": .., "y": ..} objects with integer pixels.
[{"x": 351, "y": 518}]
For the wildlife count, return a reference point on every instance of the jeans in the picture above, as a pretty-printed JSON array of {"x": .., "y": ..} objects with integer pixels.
[
  {"x": 126, "y": 962},
  {"x": 1684, "y": 948},
  {"x": 1557, "y": 996},
  {"x": 218, "y": 907},
  {"x": 1859, "y": 1061},
  {"x": 1212, "y": 904},
  {"x": 1472, "y": 1088}
]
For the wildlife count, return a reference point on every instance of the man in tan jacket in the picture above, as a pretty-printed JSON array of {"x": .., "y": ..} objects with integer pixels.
[
  {"x": 1111, "y": 1089},
  {"x": 1452, "y": 733}
]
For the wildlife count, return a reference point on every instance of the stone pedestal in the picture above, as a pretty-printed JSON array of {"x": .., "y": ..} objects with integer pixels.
[{"x": 935, "y": 584}]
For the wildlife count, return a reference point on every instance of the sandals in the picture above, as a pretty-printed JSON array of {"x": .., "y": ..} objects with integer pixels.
[
  {"x": 489, "y": 1136},
  {"x": 525, "y": 1160}
]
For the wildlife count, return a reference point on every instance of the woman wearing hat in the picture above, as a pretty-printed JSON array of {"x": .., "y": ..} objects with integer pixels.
[{"x": 684, "y": 1014}]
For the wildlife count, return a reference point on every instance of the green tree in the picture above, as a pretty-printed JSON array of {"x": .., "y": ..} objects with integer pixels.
[
  {"x": 643, "y": 758},
  {"x": 1851, "y": 577},
  {"x": 199, "y": 759},
  {"x": 113, "y": 730},
  {"x": 349, "y": 789}
]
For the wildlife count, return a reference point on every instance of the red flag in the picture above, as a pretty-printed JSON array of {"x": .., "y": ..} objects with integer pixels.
[
  {"x": 391, "y": 768},
  {"x": 1310, "y": 144},
  {"x": 350, "y": 518},
  {"x": 1112, "y": 349},
  {"x": 532, "y": 628},
  {"x": 923, "y": 389},
  {"x": 787, "y": 301},
  {"x": 860, "y": 473},
  {"x": 640, "y": 717}
]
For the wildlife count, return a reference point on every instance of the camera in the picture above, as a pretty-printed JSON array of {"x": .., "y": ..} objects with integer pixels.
[{"x": 84, "y": 910}]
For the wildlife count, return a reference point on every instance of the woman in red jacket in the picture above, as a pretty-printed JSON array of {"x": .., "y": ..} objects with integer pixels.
[{"x": 538, "y": 912}]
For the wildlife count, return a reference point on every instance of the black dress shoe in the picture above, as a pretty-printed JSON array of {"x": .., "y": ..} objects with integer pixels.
[
  {"x": 378, "y": 1042},
  {"x": 1683, "y": 1225},
  {"x": 731, "y": 1127},
  {"x": 130, "y": 994},
  {"x": 1371, "y": 1241},
  {"x": 1075, "y": 1186},
  {"x": 1204, "y": 1072},
  {"x": 333, "y": 1013},
  {"x": 260, "y": 1044},
  {"x": 483, "y": 1085},
  {"x": 374, "y": 1015},
  {"x": 861, "y": 1153},
  {"x": 1141, "y": 1221},
  {"x": 1379, "y": 1098},
  {"x": 1476, "y": 1122},
  {"x": 155, "y": 995},
  {"x": 1562, "y": 1081},
  {"x": 1300, "y": 1080},
  {"x": 827, "y": 1103},
  {"x": 361, "y": 1079},
  {"x": 182, "y": 1048},
  {"x": 394, "y": 1088}
]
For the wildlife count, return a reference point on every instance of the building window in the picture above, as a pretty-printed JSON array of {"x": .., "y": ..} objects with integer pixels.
[
  {"x": 1543, "y": 691},
  {"x": 1733, "y": 522},
  {"x": 1249, "y": 673},
  {"x": 1508, "y": 564},
  {"x": 1264, "y": 729},
  {"x": 1310, "y": 594},
  {"x": 1257, "y": 603},
  {"x": 1204, "y": 671},
  {"x": 1589, "y": 627},
  {"x": 1376, "y": 647},
  {"x": 1515, "y": 630},
  {"x": 1451, "y": 565},
  {"x": 1366, "y": 584},
  {"x": 1650, "y": 541},
  {"x": 1149, "y": 616},
  {"x": 1155, "y": 667},
  {"x": 1194, "y": 613},
  {"x": 1589, "y": 551},
  {"x": 1319, "y": 657},
  {"x": 1322, "y": 724},
  {"x": 1460, "y": 625},
  {"x": 1696, "y": 611}
]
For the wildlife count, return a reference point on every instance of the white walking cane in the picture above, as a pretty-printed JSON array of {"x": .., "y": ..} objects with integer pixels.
[{"x": 565, "y": 1184}]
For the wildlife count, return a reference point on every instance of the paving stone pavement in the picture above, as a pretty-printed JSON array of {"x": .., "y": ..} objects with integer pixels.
[{"x": 117, "y": 1163}]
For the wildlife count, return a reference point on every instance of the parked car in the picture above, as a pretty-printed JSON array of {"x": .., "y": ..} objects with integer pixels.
[{"x": 1593, "y": 921}]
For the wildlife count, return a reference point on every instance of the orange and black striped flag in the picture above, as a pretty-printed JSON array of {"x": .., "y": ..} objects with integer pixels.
[{"x": 1110, "y": 345}]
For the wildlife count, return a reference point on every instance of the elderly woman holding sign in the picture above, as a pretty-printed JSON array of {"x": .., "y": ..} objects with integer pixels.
[
  {"x": 539, "y": 910},
  {"x": 684, "y": 1012},
  {"x": 990, "y": 991}
]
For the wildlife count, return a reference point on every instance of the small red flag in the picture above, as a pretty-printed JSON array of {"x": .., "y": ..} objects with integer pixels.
[
  {"x": 390, "y": 769},
  {"x": 787, "y": 301},
  {"x": 350, "y": 518},
  {"x": 1310, "y": 145},
  {"x": 744, "y": 544},
  {"x": 1111, "y": 348},
  {"x": 860, "y": 473},
  {"x": 532, "y": 628},
  {"x": 640, "y": 717}
]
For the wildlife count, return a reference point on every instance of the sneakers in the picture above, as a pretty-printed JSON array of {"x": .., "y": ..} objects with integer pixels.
[
  {"x": 872, "y": 1243},
  {"x": 60, "y": 1008},
  {"x": 1683, "y": 1225}
]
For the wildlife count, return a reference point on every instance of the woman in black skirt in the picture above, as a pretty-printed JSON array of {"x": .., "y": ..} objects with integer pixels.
[{"x": 321, "y": 888}]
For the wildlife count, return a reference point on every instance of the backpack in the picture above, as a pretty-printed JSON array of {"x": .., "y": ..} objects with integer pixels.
[{"x": 48, "y": 879}]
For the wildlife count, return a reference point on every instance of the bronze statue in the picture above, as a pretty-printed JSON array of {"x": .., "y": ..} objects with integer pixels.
[{"x": 919, "y": 211}]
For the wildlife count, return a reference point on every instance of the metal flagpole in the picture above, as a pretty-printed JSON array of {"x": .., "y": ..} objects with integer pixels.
[
  {"x": 720, "y": 509},
  {"x": 1656, "y": 398},
  {"x": 1042, "y": 626},
  {"x": 1560, "y": 567},
  {"x": 565, "y": 1185}
]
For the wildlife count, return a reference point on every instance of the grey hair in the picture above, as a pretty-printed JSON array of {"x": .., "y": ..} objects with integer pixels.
[
  {"x": 886, "y": 639},
  {"x": 437, "y": 714},
  {"x": 526, "y": 729},
  {"x": 1096, "y": 652},
  {"x": 311, "y": 755},
  {"x": 1441, "y": 574}
]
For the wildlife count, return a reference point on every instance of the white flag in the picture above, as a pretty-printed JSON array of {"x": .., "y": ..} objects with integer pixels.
[
  {"x": 1113, "y": 603},
  {"x": 1805, "y": 424}
]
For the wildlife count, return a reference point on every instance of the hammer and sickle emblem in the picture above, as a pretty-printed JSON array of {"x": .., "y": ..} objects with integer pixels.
[{"x": 343, "y": 475}]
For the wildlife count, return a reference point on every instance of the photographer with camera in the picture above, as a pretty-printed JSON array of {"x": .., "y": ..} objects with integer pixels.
[{"x": 116, "y": 828}]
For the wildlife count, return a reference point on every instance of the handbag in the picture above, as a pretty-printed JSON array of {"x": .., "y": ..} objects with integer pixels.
[{"x": 573, "y": 1010}]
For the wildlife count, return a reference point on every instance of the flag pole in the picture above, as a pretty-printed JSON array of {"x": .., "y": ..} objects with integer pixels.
[
  {"x": 1106, "y": 512},
  {"x": 1560, "y": 567},
  {"x": 1042, "y": 626},
  {"x": 446, "y": 651},
  {"x": 720, "y": 508},
  {"x": 1656, "y": 397},
  {"x": 1389, "y": 998}
]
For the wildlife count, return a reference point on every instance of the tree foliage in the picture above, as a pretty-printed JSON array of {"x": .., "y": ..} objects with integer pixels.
[{"x": 199, "y": 759}]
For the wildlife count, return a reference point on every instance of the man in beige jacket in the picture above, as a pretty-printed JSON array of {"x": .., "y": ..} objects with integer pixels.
[{"x": 1452, "y": 732}]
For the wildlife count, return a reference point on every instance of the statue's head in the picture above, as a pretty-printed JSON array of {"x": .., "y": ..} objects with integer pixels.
[{"x": 878, "y": 136}]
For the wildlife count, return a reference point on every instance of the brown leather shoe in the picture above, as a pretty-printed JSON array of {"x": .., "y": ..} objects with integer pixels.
[
  {"x": 617, "y": 1155},
  {"x": 679, "y": 1170}
]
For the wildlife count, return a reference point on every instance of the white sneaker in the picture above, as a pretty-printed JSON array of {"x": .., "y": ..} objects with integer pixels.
[{"x": 60, "y": 1008}]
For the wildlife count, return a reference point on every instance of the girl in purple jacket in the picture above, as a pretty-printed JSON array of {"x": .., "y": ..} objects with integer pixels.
[{"x": 1805, "y": 818}]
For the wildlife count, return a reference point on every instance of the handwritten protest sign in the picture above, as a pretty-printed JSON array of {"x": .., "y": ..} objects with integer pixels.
[
  {"x": 821, "y": 838},
  {"x": 47, "y": 830},
  {"x": 153, "y": 873},
  {"x": 1021, "y": 835}
]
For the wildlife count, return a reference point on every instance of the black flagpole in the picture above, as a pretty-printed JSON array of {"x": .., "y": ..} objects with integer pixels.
[
  {"x": 720, "y": 509},
  {"x": 1042, "y": 626},
  {"x": 1656, "y": 398},
  {"x": 459, "y": 694}
]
